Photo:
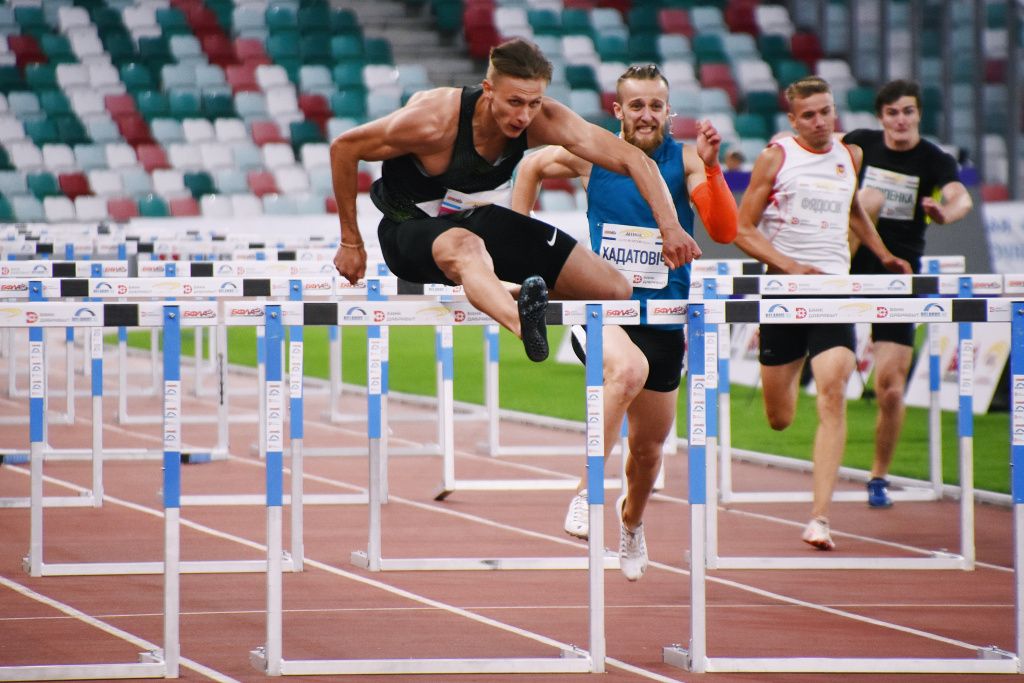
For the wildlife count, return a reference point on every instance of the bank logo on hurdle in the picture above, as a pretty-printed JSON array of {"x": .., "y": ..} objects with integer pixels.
[{"x": 776, "y": 312}]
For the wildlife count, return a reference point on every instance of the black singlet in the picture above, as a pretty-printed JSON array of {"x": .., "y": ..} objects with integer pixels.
[{"x": 403, "y": 184}]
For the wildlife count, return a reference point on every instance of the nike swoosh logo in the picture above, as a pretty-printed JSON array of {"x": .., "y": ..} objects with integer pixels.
[{"x": 554, "y": 236}]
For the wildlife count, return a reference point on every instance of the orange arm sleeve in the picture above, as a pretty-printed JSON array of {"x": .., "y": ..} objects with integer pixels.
[{"x": 716, "y": 206}]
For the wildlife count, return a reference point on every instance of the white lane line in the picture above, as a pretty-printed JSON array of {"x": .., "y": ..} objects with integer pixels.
[
  {"x": 844, "y": 534},
  {"x": 109, "y": 629},
  {"x": 408, "y": 595},
  {"x": 676, "y": 570}
]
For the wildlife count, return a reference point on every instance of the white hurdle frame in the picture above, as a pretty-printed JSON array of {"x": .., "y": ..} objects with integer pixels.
[
  {"x": 371, "y": 559},
  {"x": 962, "y": 310},
  {"x": 908, "y": 490},
  {"x": 269, "y": 659},
  {"x": 803, "y": 285},
  {"x": 161, "y": 663}
]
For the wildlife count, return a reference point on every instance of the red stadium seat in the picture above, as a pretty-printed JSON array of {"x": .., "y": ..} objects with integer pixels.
[
  {"x": 264, "y": 132},
  {"x": 26, "y": 50},
  {"x": 184, "y": 206},
  {"x": 251, "y": 51},
  {"x": 807, "y": 49},
  {"x": 122, "y": 208},
  {"x": 315, "y": 108},
  {"x": 261, "y": 183},
  {"x": 120, "y": 105},
  {"x": 74, "y": 185},
  {"x": 241, "y": 77},
  {"x": 739, "y": 17},
  {"x": 675, "y": 20},
  {"x": 134, "y": 130},
  {"x": 219, "y": 49},
  {"x": 152, "y": 157},
  {"x": 683, "y": 128}
]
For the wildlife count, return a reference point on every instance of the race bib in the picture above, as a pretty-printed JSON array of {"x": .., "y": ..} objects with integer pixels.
[
  {"x": 455, "y": 201},
  {"x": 636, "y": 253},
  {"x": 822, "y": 203},
  {"x": 900, "y": 192}
]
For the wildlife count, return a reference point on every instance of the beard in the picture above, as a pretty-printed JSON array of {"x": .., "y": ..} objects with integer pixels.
[{"x": 648, "y": 143}]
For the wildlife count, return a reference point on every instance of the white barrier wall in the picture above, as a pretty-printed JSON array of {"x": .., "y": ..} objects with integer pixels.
[{"x": 1004, "y": 226}]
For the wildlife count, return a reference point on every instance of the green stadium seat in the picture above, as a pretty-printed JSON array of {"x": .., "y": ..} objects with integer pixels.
[
  {"x": 581, "y": 76},
  {"x": 137, "y": 77},
  {"x": 41, "y": 77},
  {"x": 5, "y": 160},
  {"x": 185, "y": 103},
  {"x": 315, "y": 48},
  {"x": 199, "y": 183},
  {"x": 155, "y": 51},
  {"x": 751, "y": 126},
  {"x": 57, "y": 49},
  {"x": 152, "y": 104},
  {"x": 281, "y": 18},
  {"x": 643, "y": 18},
  {"x": 378, "y": 51},
  {"x": 612, "y": 48},
  {"x": 304, "y": 132},
  {"x": 152, "y": 206},
  {"x": 345, "y": 22},
  {"x": 41, "y": 131},
  {"x": 861, "y": 99},
  {"x": 218, "y": 105},
  {"x": 6, "y": 210},
  {"x": 70, "y": 130},
  {"x": 42, "y": 185},
  {"x": 347, "y": 75},
  {"x": 545, "y": 22},
  {"x": 447, "y": 15},
  {"x": 773, "y": 47},
  {"x": 172, "y": 22},
  {"x": 643, "y": 47},
  {"x": 576, "y": 21},
  {"x": 349, "y": 104},
  {"x": 347, "y": 48},
  {"x": 314, "y": 19},
  {"x": 789, "y": 70},
  {"x": 11, "y": 79}
]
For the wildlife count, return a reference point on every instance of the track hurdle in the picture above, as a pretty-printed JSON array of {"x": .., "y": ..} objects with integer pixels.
[
  {"x": 945, "y": 271},
  {"x": 162, "y": 663},
  {"x": 461, "y": 313},
  {"x": 269, "y": 658},
  {"x": 924, "y": 310},
  {"x": 961, "y": 310}
]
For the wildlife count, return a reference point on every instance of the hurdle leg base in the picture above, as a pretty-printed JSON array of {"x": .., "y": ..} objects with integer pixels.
[
  {"x": 677, "y": 656},
  {"x": 443, "y": 493}
]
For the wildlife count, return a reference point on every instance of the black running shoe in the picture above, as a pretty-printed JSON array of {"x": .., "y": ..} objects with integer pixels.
[{"x": 533, "y": 302}]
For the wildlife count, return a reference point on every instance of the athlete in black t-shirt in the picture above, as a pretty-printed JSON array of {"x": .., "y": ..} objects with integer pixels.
[
  {"x": 446, "y": 153},
  {"x": 899, "y": 179}
]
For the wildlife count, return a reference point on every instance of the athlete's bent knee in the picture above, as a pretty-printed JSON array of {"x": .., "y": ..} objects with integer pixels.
[{"x": 456, "y": 248}]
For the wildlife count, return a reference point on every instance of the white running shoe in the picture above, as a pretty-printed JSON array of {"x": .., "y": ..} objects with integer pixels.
[
  {"x": 577, "y": 519},
  {"x": 632, "y": 547},
  {"x": 817, "y": 534}
]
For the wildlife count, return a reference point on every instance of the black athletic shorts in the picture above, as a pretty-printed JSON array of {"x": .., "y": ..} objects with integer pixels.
[
  {"x": 519, "y": 245},
  {"x": 781, "y": 344},
  {"x": 663, "y": 349},
  {"x": 899, "y": 333}
]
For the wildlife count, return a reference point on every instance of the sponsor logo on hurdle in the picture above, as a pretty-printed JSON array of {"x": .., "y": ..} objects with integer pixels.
[
  {"x": 14, "y": 287},
  {"x": 595, "y": 411},
  {"x": 698, "y": 411},
  {"x": 433, "y": 313},
  {"x": 225, "y": 269},
  {"x": 897, "y": 286},
  {"x": 246, "y": 312},
  {"x": 31, "y": 317},
  {"x": 207, "y": 313},
  {"x": 773, "y": 286},
  {"x": 172, "y": 415},
  {"x": 316, "y": 285},
  {"x": 83, "y": 314},
  {"x": 228, "y": 287},
  {"x": 114, "y": 268},
  {"x": 40, "y": 269},
  {"x": 354, "y": 315},
  {"x": 35, "y": 369},
  {"x": 374, "y": 355},
  {"x": 621, "y": 313},
  {"x": 777, "y": 312},
  {"x": 295, "y": 369},
  {"x": 275, "y": 416}
]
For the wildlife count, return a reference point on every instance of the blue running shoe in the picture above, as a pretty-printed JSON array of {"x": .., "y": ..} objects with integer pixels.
[{"x": 878, "y": 495}]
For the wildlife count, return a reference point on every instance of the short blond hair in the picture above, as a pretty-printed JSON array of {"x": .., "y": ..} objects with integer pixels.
[{"x": 807, "y": 86}]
